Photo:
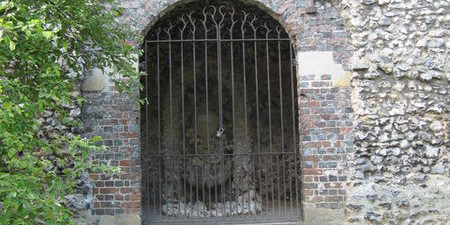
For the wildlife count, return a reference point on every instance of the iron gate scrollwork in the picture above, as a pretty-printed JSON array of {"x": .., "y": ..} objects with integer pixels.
[{"x": 220, "y": 130}]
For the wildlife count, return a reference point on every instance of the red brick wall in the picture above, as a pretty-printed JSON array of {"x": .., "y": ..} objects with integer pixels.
[
  {"x": 114, "y": 117},
  {"x": 326, "y": 141}
]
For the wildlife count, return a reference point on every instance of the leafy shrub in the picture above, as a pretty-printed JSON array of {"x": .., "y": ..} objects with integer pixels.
[{"x": 45, "y": 46}]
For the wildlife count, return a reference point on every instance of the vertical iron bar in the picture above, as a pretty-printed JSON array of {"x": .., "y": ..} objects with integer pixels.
[
  {"x": 257, "y": 119},
  {"x": 256, "y": 84},
  {"x": 206, "y": 89},
  {"x": 278, "y": 183},
  {"x": 272, "y": 186},
  {"x": 290, "y": 182},
  {"x": 233, "y": 22},
  {"x": 182, "y": 119},
  {"x": 158, "y": 77},
  {"x": 195, "y": 113},
  {"x": 195, "y": 96},
  {"x": 266, "y": 176},
  {"x": 197, "y": 191},
  {"x": 245, "y": 90},
  {"x": 260, "y": 171},
  {"x": 253, "y": 160},
  {"x": 245, "y": 102},
  {"x": 257, "y": 100},
  {"x": 290, "y": 161},
  {"x": 281, "y": 119},
  {"x": 171, "y": 144},
  {"x": 270, "y": 117},
  {"x": 197, "y": 194},
  {"x": 232, "y": 102},
  {"x": 205, "y": 210},
  {"x": 294, "y": 129},
  {"x": 153, "y": 169},
  {"x": 219, "y": 72}
]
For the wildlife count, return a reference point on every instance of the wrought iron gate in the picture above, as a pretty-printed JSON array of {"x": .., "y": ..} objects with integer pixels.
[{"x": 219, "y": 134}]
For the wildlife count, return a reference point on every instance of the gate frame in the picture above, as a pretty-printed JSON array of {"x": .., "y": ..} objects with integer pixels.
[{"x": 218, "y": 40}]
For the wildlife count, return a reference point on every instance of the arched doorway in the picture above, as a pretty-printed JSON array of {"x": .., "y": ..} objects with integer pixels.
[{"x": 219, "y": 135}]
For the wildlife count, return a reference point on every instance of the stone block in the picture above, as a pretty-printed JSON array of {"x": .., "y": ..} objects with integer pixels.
[
  {"x": 320, "y": 63},
  {"x": 322, "y": 216},
  {"x": 96, "y": 82},
  {"x": 123, "y": 219}
]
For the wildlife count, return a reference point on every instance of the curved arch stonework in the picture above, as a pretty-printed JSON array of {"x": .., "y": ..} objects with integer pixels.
[
  {"x": 374, "y": 112},
  {"x": 299, "y": 18}
]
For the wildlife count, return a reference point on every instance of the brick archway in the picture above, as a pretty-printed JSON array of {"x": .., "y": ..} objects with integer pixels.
[{"x": 325, "y": 112}]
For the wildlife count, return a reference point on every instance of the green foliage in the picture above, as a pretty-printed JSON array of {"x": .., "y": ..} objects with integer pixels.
[{"x": 45, "y": 45}]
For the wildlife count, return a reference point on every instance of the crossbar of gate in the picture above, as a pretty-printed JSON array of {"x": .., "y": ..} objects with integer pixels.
[{"x": 177, "y": 194}]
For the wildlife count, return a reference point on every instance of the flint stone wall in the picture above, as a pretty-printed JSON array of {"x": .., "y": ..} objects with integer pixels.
[{"x": 400, "y": 172}]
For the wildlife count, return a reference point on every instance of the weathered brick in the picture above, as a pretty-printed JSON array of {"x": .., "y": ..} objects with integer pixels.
[
  {"x": 108, "y": 190},
  {"x": 118, "y": 183},
  {"x": 310, "y": 185},
  {"x": 99, "y": 183},
  {"x": 317, "y": 199},
  {"x": 334, "y": 198},
  {"x": 107, "y": 130},
  {"x": 127, "y": 162},
  {"x": 109, "y": 204},
  {"x": 119, "y": 211},
  {"x": 108, "y": 142},
  {"x": 98, "y": 211},
  {"x": 109, "y": 197},
  {"x": 332, "y": 178},
  {"x": 307, "y": 171},
  {"x": 109, "y": 211}
]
